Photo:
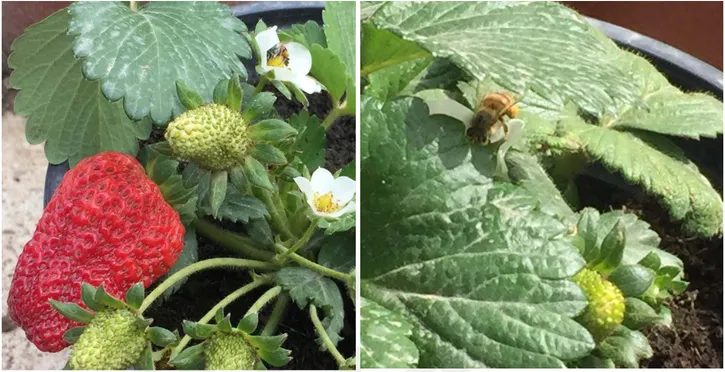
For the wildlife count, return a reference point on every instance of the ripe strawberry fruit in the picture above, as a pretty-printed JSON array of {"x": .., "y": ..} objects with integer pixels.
[{"x": 107, "y": 223}]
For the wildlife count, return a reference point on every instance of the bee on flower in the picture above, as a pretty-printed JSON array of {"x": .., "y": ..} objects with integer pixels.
[{"x": 288, "y": 61}]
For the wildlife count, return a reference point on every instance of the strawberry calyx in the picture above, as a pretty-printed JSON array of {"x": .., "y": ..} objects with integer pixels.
[
  {"x": 116, "y": 335},
  {"x": 226, "y": 347}
]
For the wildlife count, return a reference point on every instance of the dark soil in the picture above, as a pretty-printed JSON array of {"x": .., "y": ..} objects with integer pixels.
[
  {"x": 696, "y": 337},
  {"x": 201, "y": 292}
]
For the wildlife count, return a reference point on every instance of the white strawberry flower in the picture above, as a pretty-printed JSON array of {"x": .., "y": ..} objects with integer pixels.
[
  {"x": 328, "y": 196},
  {"x": 290, "y": 61}
]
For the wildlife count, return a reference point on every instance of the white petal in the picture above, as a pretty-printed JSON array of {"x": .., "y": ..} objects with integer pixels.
[
  {"x": 284, "y": 74},
  {"x": 266, "y": 40},
  {"x": 343, "y": 189},
  {"x": 300, "y": 59},
  {"x": 349, "y": 208},
  {"x": 322, "y": 181},
  {"x": 305, "y": 186},
  {"x": 307, "y": 84},
  {"x": 314, "y": 210}
]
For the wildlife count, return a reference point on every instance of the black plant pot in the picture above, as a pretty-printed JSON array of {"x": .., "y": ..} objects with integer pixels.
[{"x": 280, "y": 13}]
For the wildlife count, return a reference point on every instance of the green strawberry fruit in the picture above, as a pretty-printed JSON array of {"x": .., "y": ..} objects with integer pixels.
[
  {"x": 112, "y": 340},
  {"x": 213, "y": 136},
  {"x": 229, "y": 351},
  {"x": 605, "y": 308}
]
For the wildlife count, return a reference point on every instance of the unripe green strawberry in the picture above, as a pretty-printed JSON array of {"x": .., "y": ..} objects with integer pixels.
[
  {"x": 112, "y": 340},
  {"x": 605, "y": 308},
  {"x": 229, "y": 351},
  {"x": 212, "y": 136}
]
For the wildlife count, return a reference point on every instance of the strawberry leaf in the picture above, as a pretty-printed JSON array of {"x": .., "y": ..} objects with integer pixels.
[
  {"x": 385, "y": 338},
  {"x": 337, "y": 252},
  {"x": 445, "y": 244},
  {"x": 329, "y": 70},
  {"x": 306, "y": 34},
  {"x": 139, "y": 55},
  {"x": 310, "y": 142},
  {"x": 339, "y": 19},
  {"x": 306, "y": 286},
  {"x": 66, "y": 111}
]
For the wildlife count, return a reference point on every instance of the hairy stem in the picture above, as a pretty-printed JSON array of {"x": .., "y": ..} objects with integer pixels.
[
  {"x": 264, "y": 299},
  {"x": 300, "y": 243},
  {"x": 325, "y": 337},
  {"x": 331, "y": 117},
  {"x": 347, "y": 278},
  {"x": 199, "y": 266},
  {"x": 277, "y": 215},
  {"x": 262, "y": 82},
  {"x": 258, "y": 282},
  {"x": 242, "y": 244},
  {"x": 279, "y": 308}
]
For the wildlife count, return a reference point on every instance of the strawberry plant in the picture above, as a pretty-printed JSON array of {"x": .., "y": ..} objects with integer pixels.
[
  {"x": 169, "y": 144},
  {"x": 475, "y": 253}
]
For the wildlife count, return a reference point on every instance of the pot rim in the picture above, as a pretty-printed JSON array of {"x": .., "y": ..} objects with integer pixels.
[{"x": 661, "y": 51}]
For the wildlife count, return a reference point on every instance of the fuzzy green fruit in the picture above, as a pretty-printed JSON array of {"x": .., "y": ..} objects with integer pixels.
[
  {"x": 229, "y": 351},
  {"x": 112, "y": 340},
  {"x": 213, "y": 136},
  {"x": 605, "y": 308}
]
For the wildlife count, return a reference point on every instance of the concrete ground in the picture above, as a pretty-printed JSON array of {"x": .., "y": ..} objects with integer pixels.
[{"x": 23, "y": 176}]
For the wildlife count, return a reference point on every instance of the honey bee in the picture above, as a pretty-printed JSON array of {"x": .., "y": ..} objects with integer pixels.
[
  {"x": 490, "y": 117},
  {"x": 278, "y": 56}
]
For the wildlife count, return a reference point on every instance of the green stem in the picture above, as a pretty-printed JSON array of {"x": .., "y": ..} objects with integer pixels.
[
  {"x": 264, "y": 299},
  {"x": 325, "y": 337},
  {"x": 331, "y": 117},
  {"x": 262, "y": 82},
  {"x": 347, "y": 278},
  {"x": 221, "y": 304},
  {"x": 277, "y": 217},
  {"x": 232, "y": 241},
  {"x": 300, "y": 243},
  {"x": 199, "y": 266},
  {"x": 277, "y": 313}
]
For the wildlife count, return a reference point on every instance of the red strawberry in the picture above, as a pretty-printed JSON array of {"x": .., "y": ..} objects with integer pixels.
[{"x": 106, "y": 224}]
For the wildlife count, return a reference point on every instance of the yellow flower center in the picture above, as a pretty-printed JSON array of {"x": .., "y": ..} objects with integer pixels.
[
  {"x": 325, "y": 203},
  {"x": 277, "y": 61}
]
